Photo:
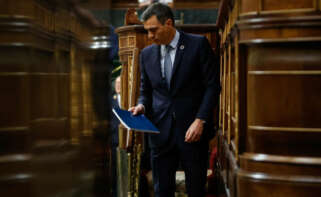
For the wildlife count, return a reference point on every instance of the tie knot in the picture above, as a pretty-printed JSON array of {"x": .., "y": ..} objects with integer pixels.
[{"x": 168, "y": 48}]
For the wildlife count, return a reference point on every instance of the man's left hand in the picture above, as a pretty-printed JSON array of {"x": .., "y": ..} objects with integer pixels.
[{"x": 195, "y": 131}]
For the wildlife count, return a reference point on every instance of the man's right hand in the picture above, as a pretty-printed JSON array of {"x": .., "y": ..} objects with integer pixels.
[{"x": 138, "y": 109}]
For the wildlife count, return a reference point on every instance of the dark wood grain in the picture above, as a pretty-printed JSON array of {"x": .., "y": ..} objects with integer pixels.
[
  {"x": 50, "y": 142},
  {"x": 271, "y": 106}
]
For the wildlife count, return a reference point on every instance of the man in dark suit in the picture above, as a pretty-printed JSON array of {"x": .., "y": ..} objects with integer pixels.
[{"x": 179, "y": 90}]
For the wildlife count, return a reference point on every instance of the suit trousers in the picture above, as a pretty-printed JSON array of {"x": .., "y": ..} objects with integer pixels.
[{"x": 192, "y": 157}]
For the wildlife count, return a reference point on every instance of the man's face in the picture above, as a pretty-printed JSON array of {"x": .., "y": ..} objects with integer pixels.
[{"x": 158, "y": 32}]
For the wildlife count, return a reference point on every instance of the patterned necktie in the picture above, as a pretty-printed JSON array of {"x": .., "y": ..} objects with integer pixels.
[{"x": 168, "y": 65}]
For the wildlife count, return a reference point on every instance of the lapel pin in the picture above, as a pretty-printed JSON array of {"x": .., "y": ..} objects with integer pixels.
[{"x": 182, "y": 47}]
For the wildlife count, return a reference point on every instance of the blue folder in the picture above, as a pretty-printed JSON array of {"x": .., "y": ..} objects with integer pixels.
[{"x": 136, "y": 123}]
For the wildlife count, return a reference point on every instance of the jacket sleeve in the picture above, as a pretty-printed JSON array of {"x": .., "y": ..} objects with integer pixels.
[
  {"x": 210, "y": 80},
  {"x": 145, "y": 96}
]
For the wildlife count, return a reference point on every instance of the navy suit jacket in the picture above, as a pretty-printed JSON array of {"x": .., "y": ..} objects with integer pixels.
[{"x": 193, "y": 93}]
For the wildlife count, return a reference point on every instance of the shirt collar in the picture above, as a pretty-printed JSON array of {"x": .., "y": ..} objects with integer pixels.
[{"x": 175, "y": 40}]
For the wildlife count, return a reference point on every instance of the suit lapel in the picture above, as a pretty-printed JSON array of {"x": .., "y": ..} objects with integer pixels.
[
  {"x": 178, "y": 56},
  {"x": 156, "y": 62},
  {"x": 154, "y": 67},
  {"x": 179, "y": 53}
]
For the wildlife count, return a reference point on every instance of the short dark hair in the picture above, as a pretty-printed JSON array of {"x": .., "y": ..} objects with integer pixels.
[{"x": 161, "y": 11}]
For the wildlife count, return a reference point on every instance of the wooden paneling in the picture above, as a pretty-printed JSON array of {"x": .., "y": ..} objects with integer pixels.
[
  {"x": 271, "y": 101},
  {"x": 279, "y": 34},
  {"x": 45, "y": 88},
  {"x": 285, "y": 141},
  {"x": 250, "y": 7},
  {"x": 268, "y": 5},
  {"x": 270, "y": 77},
  {"x": 260, "y": 185},
  {"x": 15, "y": 94},
  {"x": 281, "y": 165}
]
